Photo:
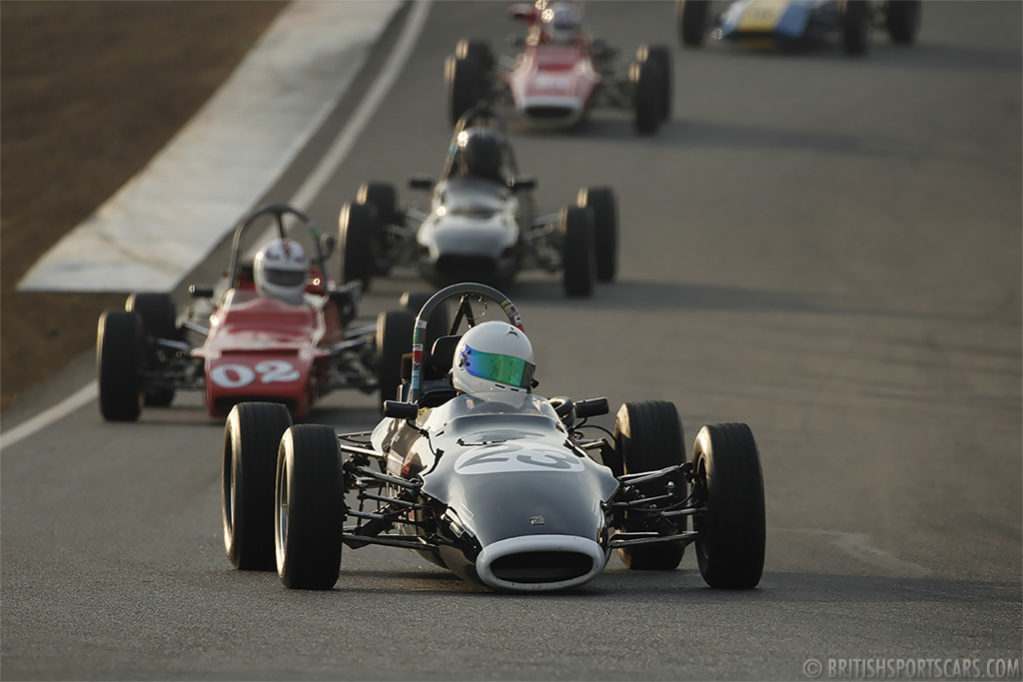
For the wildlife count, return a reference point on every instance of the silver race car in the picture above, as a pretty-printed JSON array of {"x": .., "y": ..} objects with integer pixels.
[
  {"x": 481, "y": 224},
  {"x": 478, "y": 473}
]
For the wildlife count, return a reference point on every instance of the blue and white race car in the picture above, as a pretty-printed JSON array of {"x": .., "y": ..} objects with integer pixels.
[{"x": 792, "y": 23}]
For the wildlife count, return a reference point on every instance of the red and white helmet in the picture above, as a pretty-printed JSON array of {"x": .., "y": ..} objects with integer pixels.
[
  {"x": 281, "y": 270},
  {"x": 494, "y": 361}
]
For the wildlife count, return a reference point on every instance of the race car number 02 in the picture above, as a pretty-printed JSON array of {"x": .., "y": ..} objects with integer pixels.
[{"x": 269, "y": 371}]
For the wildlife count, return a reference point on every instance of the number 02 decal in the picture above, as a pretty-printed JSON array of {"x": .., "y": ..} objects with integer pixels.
[{"x": 269, "y": 371}]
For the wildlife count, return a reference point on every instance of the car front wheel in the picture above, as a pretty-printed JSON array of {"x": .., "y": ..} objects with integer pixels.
[
  {"x": 119, "y": 358},
  {"x": 252, "y": 435},
  {"x": 310, "y": 508},
  {"x": 730, "y": 548}
]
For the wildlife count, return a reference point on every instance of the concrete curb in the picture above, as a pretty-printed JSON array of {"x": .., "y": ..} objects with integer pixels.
[{"x": 166, "y": 219}]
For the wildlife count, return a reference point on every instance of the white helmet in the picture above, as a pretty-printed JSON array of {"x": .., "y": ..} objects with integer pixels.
[
  {"x": 562, "y": 22},
  {"x": 494, "y": 361},
  {"x": 280, "y": 270}
]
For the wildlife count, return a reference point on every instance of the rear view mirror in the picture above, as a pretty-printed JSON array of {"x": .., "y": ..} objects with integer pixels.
[
  {"x": 200, "y": 291},
  {"x": 591, "y": 407},
  {"x": 400, "y": 410},
  {"x": 521, "y": 183},
  {"x": 420, "y": 182}
]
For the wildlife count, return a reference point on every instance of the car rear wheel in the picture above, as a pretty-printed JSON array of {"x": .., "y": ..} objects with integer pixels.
[
  {"x": 159, "y": 321},
  {"x": 730, "y": 548},
  {"x": 856, "y": 27},
  {"x": 355, "y": 240},
  {"x": 309, "y": 508},
  {"x": 604, "y": 208},
  {"x": 648, "y": 93},
  {"x": 252, "y": 436},
  {"x": 578, "y": 252},
  {"x": 692, "y": 21},
  {"x": 119, "y": 356},
  {"x": 464, "y": 91},
  {"x": 382, "y": 198},
  {"x": 660, "y": 55},
  {"x": 903, "y": 21},
  {"x": 393, "y": 340},
  {"x": 647, "y": 437},
  {"x": 478, "y": 52}
]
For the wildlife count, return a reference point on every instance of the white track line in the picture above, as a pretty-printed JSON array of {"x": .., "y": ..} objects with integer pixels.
[
  {"x": 303, "y": 196},
  {"x": 83, "y": 396}
]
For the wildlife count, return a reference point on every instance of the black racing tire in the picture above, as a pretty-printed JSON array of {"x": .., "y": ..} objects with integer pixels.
[
  {"x": 578, "y": 251},
  {"x": 382, "y": 198},
  {"x": 158, "y": 313},
  {"x": 309, "y": 508},
  {"x": 648, "y": 92},
  {"x": 393, "y": 340},
  {"x": 692, "y": 21},
  {"x": 356, "y": 229},
  {"x": 647, "y": 437},
  {"x": 856, "y": 27},
  {"x": 439, "y": 323},
  {"x": 662, "y": 56},
  {"x": 478, "y": 52},
  {"x": 463, "y": 82},
  {"x": 903, "y": 20},
  {"x": 604, "y": 208},
  {"x": 159, "y": 321},
  {"x": 730, "y": 549},
  {"x": 120, "y": 354},
  {"x": 252, "y": 435}
]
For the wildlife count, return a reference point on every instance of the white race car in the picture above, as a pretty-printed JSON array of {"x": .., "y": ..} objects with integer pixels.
[
  {"x": 481, "y": 475},
  {"x": 481, "y": 223}
]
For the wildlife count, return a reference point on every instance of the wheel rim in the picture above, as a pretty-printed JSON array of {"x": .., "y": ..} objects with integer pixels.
[
  {"x": 232, "y": 496},
  {"x": 281, "y": 499},
  {"x": 229, "y": 483}
]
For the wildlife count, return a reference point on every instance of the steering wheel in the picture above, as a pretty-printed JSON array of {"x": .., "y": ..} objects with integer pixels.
[{"x": 466, "y": 292}]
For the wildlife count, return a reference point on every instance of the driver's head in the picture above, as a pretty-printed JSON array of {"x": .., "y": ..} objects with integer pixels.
[
  {"x": 494, "y": 361},
  {"x": 561, "y": 22},
  {"x": 481, "y": 152},
  {"x": 280, "y": 271}
]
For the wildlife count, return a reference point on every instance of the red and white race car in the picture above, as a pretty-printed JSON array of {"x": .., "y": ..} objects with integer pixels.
[
  {"x": 275, "y": 329},
  {"x": 561, "y": 74}
]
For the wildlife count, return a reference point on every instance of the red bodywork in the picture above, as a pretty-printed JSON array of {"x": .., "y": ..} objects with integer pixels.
[
  {"x": 262, "y": 349},
  {"x": 552, "y": 84}
]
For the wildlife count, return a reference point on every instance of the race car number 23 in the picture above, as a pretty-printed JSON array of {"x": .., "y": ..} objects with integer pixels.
[
  {"x": 268, "y": 372},
  {"x": 510, "y": 457}
]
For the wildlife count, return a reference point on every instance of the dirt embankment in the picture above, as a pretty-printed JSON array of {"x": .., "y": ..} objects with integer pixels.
[{"x": 89, "y": 92}]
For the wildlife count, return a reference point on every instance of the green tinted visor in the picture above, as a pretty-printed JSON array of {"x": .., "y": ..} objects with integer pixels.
[{"x": 503, "y": 369}]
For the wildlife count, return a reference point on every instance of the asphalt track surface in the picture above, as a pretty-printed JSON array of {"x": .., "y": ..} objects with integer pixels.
[{"x": 826, "y": 248}]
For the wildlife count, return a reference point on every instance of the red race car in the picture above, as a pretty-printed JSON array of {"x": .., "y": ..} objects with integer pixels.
[
  {"x": 561, "y": 74},
  {"x": 275, "y": 329}
]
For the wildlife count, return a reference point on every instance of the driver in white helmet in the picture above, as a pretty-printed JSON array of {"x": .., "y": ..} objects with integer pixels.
[
  {"x": 494, "y": 362},
  {"x": 280, "y": 270}
]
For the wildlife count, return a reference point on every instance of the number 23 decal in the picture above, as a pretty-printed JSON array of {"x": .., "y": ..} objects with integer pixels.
[{"x": 269, "y": 371}]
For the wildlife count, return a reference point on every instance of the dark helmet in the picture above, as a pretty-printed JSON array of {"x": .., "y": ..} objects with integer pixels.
[{"x": 481, "y": 152}]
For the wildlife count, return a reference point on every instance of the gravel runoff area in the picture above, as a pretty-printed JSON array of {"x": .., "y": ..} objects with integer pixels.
[{"x": 89, "y": 92}]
